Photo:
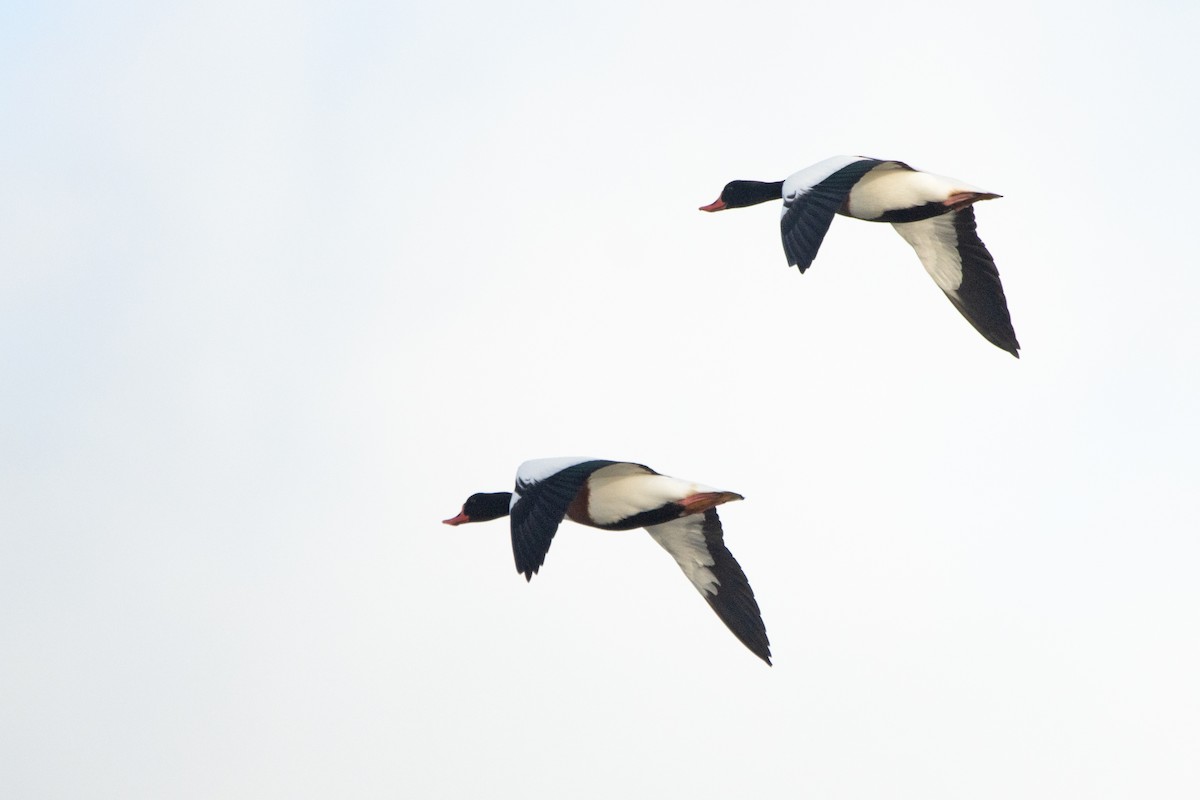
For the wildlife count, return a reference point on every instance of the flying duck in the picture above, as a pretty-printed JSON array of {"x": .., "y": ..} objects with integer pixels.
[
  {"x": 619, "y": 496},
  {"x": 932, "y": 213}
]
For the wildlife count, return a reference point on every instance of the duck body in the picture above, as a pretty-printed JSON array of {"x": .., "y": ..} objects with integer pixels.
[
  {"x": 932, "y": 213},
  {"x": 617, "y": 496}
]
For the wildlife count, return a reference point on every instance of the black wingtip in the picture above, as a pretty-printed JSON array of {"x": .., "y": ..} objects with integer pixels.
[
  {"x": 733, "y": 601},
  {"x": 1008, "y": 344},
  {"x": 794, "y": 263},
  {"x": 1005, "y": 340}
]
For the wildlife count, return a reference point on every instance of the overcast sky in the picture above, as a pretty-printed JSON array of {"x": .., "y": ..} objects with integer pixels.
[{"x": 282, "y": 284}]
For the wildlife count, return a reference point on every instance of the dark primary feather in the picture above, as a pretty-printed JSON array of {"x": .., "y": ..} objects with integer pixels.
[
  {"x": 734, "y": 601},
  {"x": 981, "y": 297},
  {"x": 808, "y": 217},
  {"x": 536, "y": 516}
]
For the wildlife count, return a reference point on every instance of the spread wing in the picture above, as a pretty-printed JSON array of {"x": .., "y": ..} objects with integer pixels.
[
  {"x": 954, "y": 256},
  {"x": 808, "y": 209},
  {"x": 697, "y": 544},
  {"x": 539, "y": 507}
]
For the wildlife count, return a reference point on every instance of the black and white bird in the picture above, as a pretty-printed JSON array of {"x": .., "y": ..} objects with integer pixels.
[
  {"x": 619, "y": 496},
  {"x": 931, "y": 212}
]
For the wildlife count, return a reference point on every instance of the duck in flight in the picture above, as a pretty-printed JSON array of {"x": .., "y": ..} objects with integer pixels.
[
  {"x": 932, "y": 213},
  {"x": 618, "y": 496}
]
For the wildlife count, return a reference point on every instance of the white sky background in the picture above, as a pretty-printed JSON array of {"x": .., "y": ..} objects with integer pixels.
[{"x": 280, "y": 287}]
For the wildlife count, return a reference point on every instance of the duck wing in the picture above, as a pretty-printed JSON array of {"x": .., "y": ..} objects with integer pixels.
[
  {"x": 954, "y": 256},
  {"x": 697, "y": 543},
  {"x": 539, "y": 504},
  {"x": 810, "y": 199}
]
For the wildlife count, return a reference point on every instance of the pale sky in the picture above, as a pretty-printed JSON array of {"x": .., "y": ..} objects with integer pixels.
[{"x": 282, "y": 284}]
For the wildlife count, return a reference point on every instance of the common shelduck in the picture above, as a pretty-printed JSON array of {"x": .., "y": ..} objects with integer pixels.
[
  {"x": 932, "y": 213},
  {"x": 618, "y": 496}
]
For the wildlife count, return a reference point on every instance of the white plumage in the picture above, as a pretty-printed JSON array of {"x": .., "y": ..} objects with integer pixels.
[
  {"x": 680, "y": 515},
  {"x": 933, "y": 213}
]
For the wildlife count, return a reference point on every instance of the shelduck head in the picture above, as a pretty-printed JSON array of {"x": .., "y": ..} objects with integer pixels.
[
  {"x": 739, "y": 194},
  {"x": 482, "y": 507}
]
